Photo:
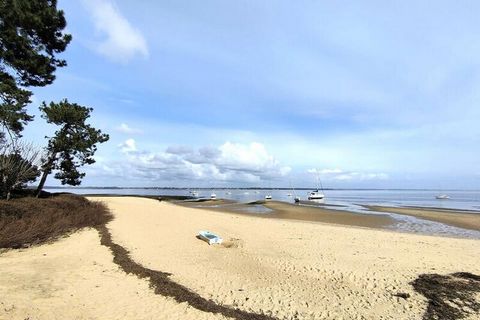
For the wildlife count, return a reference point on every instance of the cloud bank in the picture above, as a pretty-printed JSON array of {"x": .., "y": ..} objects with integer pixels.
[{"x": 228, "y": 162}]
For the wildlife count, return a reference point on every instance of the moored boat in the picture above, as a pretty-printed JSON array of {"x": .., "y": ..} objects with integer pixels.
[{"x": 316, "y": 195}]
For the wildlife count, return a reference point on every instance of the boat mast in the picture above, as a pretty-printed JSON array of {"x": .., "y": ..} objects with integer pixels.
[{"x": 319, "y": 181}]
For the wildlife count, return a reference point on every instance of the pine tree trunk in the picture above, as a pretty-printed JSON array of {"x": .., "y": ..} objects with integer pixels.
[
  {"x": 47, "y": 168},
  {"x": 42, "y": 182}
]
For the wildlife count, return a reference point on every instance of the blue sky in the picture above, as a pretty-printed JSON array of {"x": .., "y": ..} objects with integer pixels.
[{"x": 239, "y": 93}]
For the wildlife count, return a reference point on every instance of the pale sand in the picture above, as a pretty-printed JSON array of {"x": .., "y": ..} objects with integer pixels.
[
  {"x": 75, "y": 278},
  {"x": 289, "y": 269}
]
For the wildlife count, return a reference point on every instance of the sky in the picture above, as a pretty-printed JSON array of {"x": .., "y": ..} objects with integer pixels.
[{"x": 370, "y": 94}]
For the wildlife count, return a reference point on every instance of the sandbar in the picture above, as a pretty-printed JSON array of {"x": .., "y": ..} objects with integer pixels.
[{"x": 457, "y": 218}]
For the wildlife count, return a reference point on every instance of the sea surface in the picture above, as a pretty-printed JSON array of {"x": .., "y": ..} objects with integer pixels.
[
  {"x": 351, "y": 200},
  {"x": 464, "y": 200}
]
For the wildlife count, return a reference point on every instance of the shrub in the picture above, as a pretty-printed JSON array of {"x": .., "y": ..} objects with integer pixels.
[
  {"x": 28, "y": 221},
  {"x": 18, "y": 166}
]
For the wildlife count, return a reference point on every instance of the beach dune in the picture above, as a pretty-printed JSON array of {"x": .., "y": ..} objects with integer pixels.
[{"x": 276, "y": 267}]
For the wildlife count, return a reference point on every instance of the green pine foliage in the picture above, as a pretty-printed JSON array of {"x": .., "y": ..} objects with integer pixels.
[
  {"x": 31, "y": 35},
  {"x": 74, "y": 143}
]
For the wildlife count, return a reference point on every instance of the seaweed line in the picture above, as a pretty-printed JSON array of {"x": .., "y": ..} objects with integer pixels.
[{"x": 163, "y": 285}]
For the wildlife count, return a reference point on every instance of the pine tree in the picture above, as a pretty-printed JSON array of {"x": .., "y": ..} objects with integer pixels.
[
  {"x": 73, "y": 145},
  {"x": 31, "y": 35}
]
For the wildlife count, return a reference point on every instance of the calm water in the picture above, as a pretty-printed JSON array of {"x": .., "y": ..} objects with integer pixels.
[
  {"x": 351, "y": 200},
  {"x": 469, "y": 200}
]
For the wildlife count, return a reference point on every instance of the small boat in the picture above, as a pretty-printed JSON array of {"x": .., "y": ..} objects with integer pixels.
[
  {"x": 296, "y": 198},
  {"x": 268, "y": 197},
  {"x": 442, "y": 197},
  {"x": 316, "y": 195},
  {"x": 209, "y": 237},
  {"x": 228, "y": 192},
  {"x": 213, "y": 196}
]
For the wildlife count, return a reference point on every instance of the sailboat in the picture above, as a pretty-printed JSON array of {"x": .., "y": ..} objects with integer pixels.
[
  {"x": 268, "y": 196},
  {"x": 213, "y": 195},
  {"x": 295, "y": 197},
  {"x": 317, "y": 195}
]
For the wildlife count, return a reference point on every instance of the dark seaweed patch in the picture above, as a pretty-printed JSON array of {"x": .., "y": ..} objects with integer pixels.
[{"x": 450, "y": 296}]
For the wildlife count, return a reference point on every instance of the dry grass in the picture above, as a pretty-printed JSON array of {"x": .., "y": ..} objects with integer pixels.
[{"x": 28, "y": 221}]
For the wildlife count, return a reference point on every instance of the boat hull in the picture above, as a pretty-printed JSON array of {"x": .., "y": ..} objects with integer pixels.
[{"x": 209, "y": 237}]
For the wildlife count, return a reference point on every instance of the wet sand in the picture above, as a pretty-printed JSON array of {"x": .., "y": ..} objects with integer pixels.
[
  {"x": 283, "y": 210},
  {"x": 457, "y": 218}
]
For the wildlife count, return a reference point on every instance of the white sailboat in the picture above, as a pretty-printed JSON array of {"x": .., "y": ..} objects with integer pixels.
[
  {"x": 317, "y": 195},
  {"x": 213, "y": 195},
  {"x": 268, "y": 196}
]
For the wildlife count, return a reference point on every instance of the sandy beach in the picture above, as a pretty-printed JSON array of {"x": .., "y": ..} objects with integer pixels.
[{"x": 279, "y": 268}]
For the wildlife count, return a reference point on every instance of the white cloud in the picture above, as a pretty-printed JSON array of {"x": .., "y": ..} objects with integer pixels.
[
  {"x": 324, "y": 171},
  {"x": 341, "y": 175},
  {"x": 124, "y": 128},
  {"x": 227, "y": 162},
  {"x": 128, "y": 146},
  {"x": 120, "y": 40}
]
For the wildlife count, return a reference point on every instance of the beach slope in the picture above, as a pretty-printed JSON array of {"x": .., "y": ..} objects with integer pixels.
[{"x": 280, "y": 268}]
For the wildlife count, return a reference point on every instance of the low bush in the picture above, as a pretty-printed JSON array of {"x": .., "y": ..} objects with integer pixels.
[{"x": 27, "y": 221}]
